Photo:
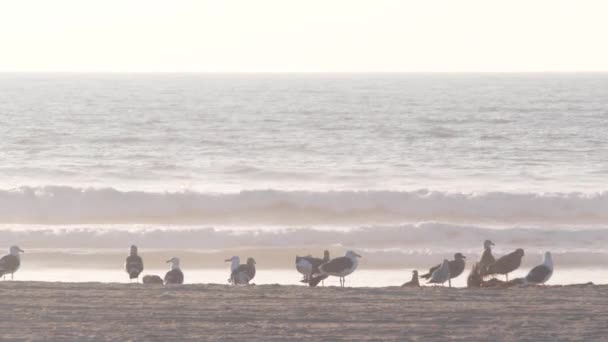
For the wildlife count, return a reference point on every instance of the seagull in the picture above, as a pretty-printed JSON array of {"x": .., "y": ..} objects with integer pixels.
[
  {"x": 456, "y": 268},
  {"x": 507, "y": 263},
  {"x": 308, "y": 266},
  {"x": 235, "y": 263},
  {"x": 487, "y": 258},
  {"x": 242, "y": 274},
  {"x": 134, "y": 265},
  {"x": 10, "y": 263},
  {"x": 414, "y": 282},
  {"x": 152, "y": 279},
  {"x": 340, "y": 267},
  {"x": 175, "y": 275},
  {"x": 541, "y": 273},
  {"x": 442, "y": 274}
]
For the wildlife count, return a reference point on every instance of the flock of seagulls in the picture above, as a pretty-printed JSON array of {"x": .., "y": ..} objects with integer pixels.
[
  {"x": 315, "y": 270},
  {"x": 488, "y": 266}
]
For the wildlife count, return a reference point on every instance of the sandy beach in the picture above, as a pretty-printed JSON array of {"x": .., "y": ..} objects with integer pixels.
[{"x": 135, "y": 312}]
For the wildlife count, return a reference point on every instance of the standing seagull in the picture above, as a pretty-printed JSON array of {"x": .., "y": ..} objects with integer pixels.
[
  {"x": 134, "y": 265},
  {"x": 507, "y": 263},
  {"x": 10, "y": 263},
  {"x": 308, "y": 265},
  {"x": 442, "y": 274},
  {"x": 243, "y": 274},
  {"x": 175, "y": 275},
  {"x": 340, "y": 267},
  {"x": 487, "y": 258},
  {"x": 541, "y": 273},
  {"x": 235, "y": 263},
  {"x": 414, "y": 282},
  {"x": 456, "y": 268}
]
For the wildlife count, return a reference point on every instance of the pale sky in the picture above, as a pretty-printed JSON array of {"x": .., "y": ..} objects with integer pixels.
[{"x": 304, "y": 36}]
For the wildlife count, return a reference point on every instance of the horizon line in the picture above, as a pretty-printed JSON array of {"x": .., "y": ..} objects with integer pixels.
[{"x": 307, "y": 72}]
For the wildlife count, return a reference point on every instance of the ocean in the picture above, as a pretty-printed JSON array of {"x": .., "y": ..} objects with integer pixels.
[{"x": 405, "y": 169}]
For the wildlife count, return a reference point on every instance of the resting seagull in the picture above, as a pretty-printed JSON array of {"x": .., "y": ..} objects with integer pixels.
[
  {"x": 456, "y": 268},
  {"x": 487, "y": 258},
  {"x": 175, "y": 275},
  {"x": 507, "y": 263},
  {"x": 152, "y": 279},
  {"x": 541, "y": 273},
  {"x": 308, "y": 266},
  {"x": 10, "y": 263},
  {"x": 241, "y": 274},
  {"x": 414, "y": 282},
  {"x": 442, "y": 274},
  {"x": 340, "y": 267},
  {"x": 134, "y": 265}
]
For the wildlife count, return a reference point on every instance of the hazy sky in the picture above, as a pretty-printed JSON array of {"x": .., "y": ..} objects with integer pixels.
[{"x": 311, "y": 35}]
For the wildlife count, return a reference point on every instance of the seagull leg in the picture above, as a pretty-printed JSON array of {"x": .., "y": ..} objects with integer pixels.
[
  {"x": 507, "y": 275},
  {"x": 450, "y": 282},
  {"x": 12, "y": 276}
]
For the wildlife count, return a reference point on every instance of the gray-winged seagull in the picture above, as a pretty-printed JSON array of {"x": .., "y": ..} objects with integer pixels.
[
  {"x": 241, "y": 274},
  {"x": 507, "y": 263},
  {"x": 309, "y": 266},
  {"x": 442, "y": 274},
  {"x": 175, "y": 275},
  {"x": 341, "y": 267},
  {"x": 541, "y": 273},
  {"x": 456, "y": 268},
  {"x": 10, "y": 263}
]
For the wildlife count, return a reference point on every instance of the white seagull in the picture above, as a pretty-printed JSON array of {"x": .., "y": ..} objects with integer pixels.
[
  {"x": 175, "y": 275},
  {"x": 541, "y": 273}
]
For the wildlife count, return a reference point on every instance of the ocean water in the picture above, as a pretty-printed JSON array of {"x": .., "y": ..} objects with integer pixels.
[{"x": 405, "y": 168}]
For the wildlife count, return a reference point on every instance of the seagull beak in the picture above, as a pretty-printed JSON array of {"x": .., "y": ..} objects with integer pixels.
[
  {"x": 464, "y": 257},
  {"x": 357, "y": 255},
  {"x": 227, "y": 260},
  {"x": 168, "y": 261},
  {"x": 21, "y": 250}
]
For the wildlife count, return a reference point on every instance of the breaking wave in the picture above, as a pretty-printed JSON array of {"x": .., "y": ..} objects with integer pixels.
[{"x": 69, "y": 205}]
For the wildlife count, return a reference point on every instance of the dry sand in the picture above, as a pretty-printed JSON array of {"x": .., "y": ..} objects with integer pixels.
[{"x": 122, "y": 312}]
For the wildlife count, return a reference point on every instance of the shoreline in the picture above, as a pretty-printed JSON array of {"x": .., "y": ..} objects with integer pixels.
[
  {"x": 364, "y": 277},
  {"x": 97, "y": 311}
]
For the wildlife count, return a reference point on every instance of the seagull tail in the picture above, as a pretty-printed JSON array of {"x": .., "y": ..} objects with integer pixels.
[{"x": 314, "y": 281}]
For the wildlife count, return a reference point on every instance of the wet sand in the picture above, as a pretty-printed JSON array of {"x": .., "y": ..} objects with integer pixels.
[{"x": 135, "y": 312}]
